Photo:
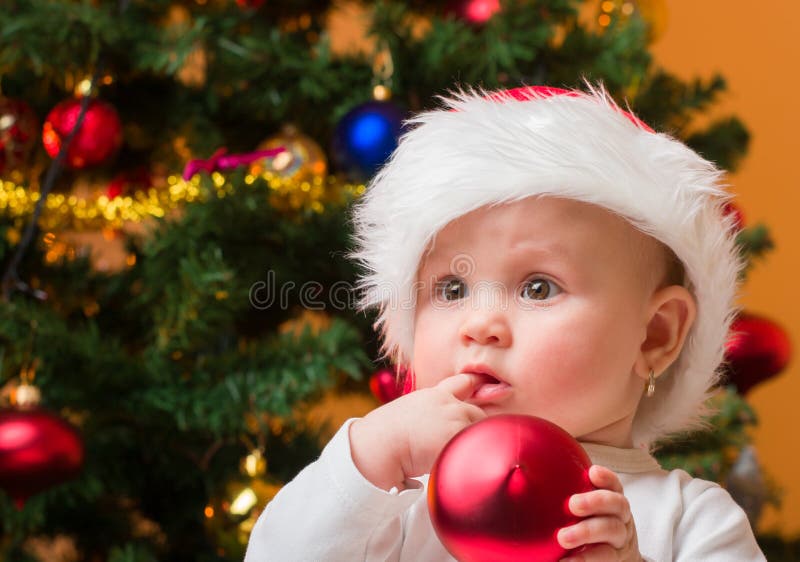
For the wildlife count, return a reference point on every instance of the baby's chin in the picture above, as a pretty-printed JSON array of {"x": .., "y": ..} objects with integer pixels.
[{"x": 493, "y": 410}]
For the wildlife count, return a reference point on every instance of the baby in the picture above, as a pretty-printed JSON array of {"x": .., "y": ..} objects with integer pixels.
[{"x": 534, "y": 251}]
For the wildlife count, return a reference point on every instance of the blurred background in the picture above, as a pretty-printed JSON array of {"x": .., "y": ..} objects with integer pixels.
[{"x": 175, "y": 178}]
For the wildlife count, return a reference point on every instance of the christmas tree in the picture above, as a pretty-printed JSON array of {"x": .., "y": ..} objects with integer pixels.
[{"x": 208, "y": 151}]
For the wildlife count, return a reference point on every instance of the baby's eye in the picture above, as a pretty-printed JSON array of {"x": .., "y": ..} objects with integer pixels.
[
  {"x": 539, "y": 289},
  {"x": 451, "y": 289}
]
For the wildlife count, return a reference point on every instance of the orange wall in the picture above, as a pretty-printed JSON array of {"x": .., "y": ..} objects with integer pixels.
[{"x": 757, "y": 48}]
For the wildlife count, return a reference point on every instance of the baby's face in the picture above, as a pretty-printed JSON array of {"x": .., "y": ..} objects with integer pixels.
[{"x": 549, "y": 295}]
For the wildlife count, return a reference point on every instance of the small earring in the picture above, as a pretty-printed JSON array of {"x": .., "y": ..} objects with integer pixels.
[{"x": 651, "y": 384}]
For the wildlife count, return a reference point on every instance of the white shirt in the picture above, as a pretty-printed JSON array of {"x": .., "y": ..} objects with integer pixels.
[{"x": 331, "y": 513}]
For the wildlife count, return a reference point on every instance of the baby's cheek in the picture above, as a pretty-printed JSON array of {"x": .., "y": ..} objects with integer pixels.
[
  {"x": 585, "y": 343},
  {"x": 429, "y": 368},
  {"x": 564, "y": 365},
  {"x": 433, "y": 353}
]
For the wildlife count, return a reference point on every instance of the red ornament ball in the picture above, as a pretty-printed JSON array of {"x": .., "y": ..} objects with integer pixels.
[
  {"x": 499, "y": 489},
  {"x": 99, "y": 137},
  {"x": 18, "y": 125},
  {"x": 474, "y": 12},
  {"x": 756, "y": 350},
  {"x": 386, "y": 386},
  {"x": 37, "y": 450},
  {"x": 129, "y": 181}
]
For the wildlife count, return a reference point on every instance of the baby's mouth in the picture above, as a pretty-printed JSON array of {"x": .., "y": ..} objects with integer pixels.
[{"x": 488, "y": 388}]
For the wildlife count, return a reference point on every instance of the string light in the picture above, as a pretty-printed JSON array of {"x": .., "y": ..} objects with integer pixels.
[
  {"x": 607, "y": 7},
  {"x": 71, "y": 212},
  {"x": 84, "y": 87},
  {"x": 244, "y": 502}
]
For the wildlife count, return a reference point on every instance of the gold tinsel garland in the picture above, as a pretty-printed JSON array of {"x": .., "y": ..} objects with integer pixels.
[{"x": 62, "y": 212}]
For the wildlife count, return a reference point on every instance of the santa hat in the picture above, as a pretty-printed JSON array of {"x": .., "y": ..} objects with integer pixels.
[{"x": 486, "y": 148}]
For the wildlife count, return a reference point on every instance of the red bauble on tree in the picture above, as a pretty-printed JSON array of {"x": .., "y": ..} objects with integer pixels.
[
  {"x": 99, "y": 137},
  {"x": 18, "y": 127},
  {"x": 757, "y": 350},
  {"x": 37, "y": 450},
  {"x": 129, "y": 181},
  {"x": 474, "y": 12},
  {"x": 385, "y": 385},
  {"x": 499, "y": 489}
]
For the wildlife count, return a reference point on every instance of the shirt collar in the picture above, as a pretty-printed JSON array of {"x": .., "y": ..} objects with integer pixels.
[{"x": 621, "y": 460}]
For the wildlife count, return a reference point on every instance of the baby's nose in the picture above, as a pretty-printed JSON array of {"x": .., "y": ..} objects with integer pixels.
[{"x": 486, "y": 323}]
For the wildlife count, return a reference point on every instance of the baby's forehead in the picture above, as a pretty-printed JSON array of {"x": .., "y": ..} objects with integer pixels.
[
  {"x": 563, "y": 224},
  {"x": 573, "y": 230}
]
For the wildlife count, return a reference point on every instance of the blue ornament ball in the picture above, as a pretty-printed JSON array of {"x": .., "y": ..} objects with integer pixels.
[{"x": 366, "y": 137}]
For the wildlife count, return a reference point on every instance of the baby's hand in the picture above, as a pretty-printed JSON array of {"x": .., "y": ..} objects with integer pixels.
[
  {"x": 608, "y": 530},
  {"x": 402, "y": 439}
]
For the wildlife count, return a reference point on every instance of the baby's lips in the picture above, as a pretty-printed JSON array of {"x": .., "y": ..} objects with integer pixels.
[
  {"x": 487, "y": 388},
  {"x": 489, "y": 379},
  {"x": 482, "y": 378}
]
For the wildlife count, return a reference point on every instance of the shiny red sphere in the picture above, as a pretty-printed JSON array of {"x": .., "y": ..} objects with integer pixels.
[
  {"x": 97, "y": 140},
  {"x": 757, "y": 350},
  {"x": 384, "y": 386},
  {"x": 499, "y": 489},
  {"x": 37, "y": 450},
  {"x": 475, "y": 12}
]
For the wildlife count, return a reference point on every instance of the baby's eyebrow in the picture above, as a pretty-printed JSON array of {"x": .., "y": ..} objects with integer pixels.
[
  {"x": 550, "y": 253},
  {"x": 432, "y": 263},
  {"x": 556, "y": 251}
]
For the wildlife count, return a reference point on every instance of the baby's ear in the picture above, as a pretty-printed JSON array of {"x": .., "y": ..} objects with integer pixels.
[{"x": 671, "y": 313}]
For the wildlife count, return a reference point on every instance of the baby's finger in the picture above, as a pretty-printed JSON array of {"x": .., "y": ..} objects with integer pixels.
[
  {"x": 593, "y": 553},
  {"x": 604, "y": 478},
  {"x": 474, "y": 413},
  {"x": 461, "y": 385},
  {"x": 602, "y": 529},
  {"x": 600, "y": 502}
]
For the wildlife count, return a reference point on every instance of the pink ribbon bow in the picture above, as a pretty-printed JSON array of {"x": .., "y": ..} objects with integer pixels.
[{"x": 221, "y": 161}]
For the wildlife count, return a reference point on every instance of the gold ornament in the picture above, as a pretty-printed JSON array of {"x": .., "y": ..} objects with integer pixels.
[
  {"x": 382, "y": 70},
  {"x": 381, "y": 92},
  {"x": 25, "y": 394},
  {"x": 302, "y": 160}
]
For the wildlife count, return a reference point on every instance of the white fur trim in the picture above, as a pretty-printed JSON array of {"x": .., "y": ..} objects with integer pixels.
[{"x": 477, "y": 151}]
